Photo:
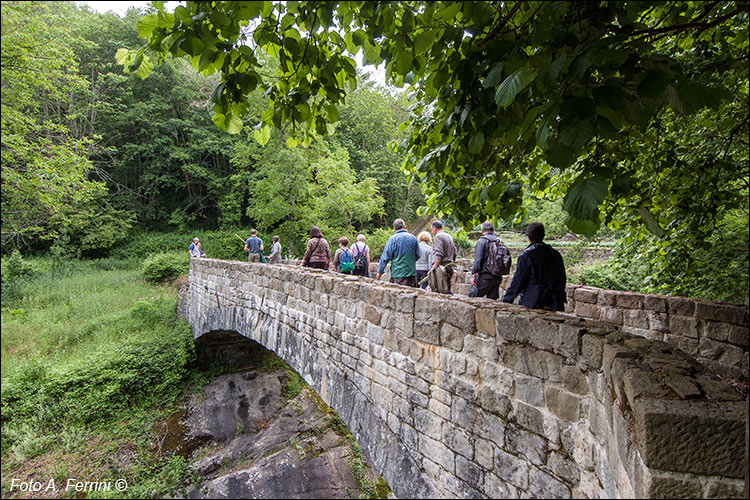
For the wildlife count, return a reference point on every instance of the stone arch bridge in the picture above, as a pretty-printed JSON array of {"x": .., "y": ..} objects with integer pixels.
[{"x": 460, "y": 397}]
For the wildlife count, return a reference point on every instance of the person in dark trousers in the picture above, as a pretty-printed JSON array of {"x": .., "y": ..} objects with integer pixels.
[
  {"x": 486, "y": 283},
  {"x": 539, "y": 280},
  {"x": 402, "y": 251}
]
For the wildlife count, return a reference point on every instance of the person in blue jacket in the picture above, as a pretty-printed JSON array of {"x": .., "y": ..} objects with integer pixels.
[
  {"x": 539, "y": 280},
  {"x": 402, "y": 249}
]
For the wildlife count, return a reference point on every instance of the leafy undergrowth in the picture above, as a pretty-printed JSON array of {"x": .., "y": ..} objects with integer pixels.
[{"x": 90, "y": 359}]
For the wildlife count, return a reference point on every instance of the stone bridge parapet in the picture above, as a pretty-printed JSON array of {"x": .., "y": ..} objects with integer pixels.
[{"x": 460, "y": 397}]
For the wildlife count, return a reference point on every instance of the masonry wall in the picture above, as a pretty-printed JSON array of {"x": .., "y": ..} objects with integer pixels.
[{"x": 459, "y": 397}]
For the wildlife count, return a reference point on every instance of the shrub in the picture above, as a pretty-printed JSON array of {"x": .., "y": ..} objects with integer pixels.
[
  {"x": 165, "y": 266},
  {"x": 141, "y": 370},
  {"x": 15, "y": 273}
]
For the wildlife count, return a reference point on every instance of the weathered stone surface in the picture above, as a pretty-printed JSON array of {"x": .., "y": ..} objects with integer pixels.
[
  {"x": 585, "y": 294},
  {"x": 544, "y": 485},
  {"x": 586, "y": 310},
  {"x": 512, "y": 469},
  {"x": 562, "y": 404},
  {"x": 686, "y": 436},
  {"x": 669, "y": 487},
  {"x": 432, "y": 397}
]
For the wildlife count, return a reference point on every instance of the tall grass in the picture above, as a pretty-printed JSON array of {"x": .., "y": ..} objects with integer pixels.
[
  {"x": 87, "y": 350},
  {"x": 60, "y": 316}
]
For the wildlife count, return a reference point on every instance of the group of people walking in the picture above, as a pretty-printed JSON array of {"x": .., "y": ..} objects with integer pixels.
[{"x": 538, "y": 282}]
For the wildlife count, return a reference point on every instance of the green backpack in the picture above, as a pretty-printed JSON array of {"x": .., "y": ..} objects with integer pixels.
[{"x": 347, "y": 264}]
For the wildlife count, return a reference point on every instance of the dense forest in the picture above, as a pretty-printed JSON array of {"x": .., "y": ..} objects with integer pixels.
[{"x": 94, "y": 156}]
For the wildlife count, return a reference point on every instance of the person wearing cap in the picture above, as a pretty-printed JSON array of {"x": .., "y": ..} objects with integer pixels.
[{"x": 539, "y": 280}]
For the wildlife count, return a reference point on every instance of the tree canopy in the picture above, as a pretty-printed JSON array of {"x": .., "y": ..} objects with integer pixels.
[{"x": 579, "y": 99}]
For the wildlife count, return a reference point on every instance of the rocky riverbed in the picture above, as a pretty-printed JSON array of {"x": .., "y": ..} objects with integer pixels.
[{"x": 244, "y": 438}]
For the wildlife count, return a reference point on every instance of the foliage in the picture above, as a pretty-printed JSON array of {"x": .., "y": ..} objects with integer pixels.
[
  {"x": 602, "y": 275},
  {"x": 15, "y": 272},
  {"x": 533, "y": 85},
  {"x": 44, "y": 167},
  {"x": 139, "y": 369},
  {"x": 162, "y": 267}
]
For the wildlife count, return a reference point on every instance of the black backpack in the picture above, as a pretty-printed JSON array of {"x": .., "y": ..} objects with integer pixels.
[
  {"x": 497, "y": 259},
  {"x": 360, "y": 260}
]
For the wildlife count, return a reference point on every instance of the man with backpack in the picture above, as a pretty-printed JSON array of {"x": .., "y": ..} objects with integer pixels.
[
  {"x": 539, "y": 280},
  {"x": 491, "y": 261}
]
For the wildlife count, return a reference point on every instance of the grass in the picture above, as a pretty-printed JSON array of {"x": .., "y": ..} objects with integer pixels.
[
  {"x": 91, "y": 356},
  {"x": 59, "y": 317}
]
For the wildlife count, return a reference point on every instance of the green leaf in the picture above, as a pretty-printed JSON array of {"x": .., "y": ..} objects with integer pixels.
[
  {"x": 654, "y": 83},
  {"x": 493, "y": 77},
  {"x": 403, "y": 62},
  {"x": 515, "y": 83},
  {"x": 476, "y": 143},
  {"x": 584, "y": 197},
  {"x": 424, "y": 41},
  {"x": 234, "y": 124},
  {"x": 371, "y": 53},
  {"x": 145, "y": 68},
  {"x": 651, "y": 223},
  {"x": 262, "y": 133},
  {"x": 586, "y": 227},
  {"x": 577, "y": 134},
  {"x": 124, "y": 56},
  {"x": 146, "y": 25}
]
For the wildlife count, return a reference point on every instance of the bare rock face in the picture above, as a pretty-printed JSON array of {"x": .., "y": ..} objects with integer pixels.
[{"x": 258, "y": 445}]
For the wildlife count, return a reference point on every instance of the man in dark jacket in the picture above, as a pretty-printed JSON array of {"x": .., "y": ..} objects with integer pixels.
[
  {"x": 539, "y": 279},
  {"x": 484, "y": 282}
]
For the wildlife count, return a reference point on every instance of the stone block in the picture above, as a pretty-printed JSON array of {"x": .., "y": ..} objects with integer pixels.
[
  {"x": 438, "y": 453},
  {"x": 685, "y": 344},
  {"x": 705, "y": 310},
  {"x": 715, "y": 330},
  {"x": 428, "y": 309},
  {"x": 405, "y": 303},
  {"x": 439, "y": 408},
  {"x": 639, "y": 382},
  {"x": 566, "y": 340},
  {"x": 681, "y": 306},
  {"x": 671, "y": 487},
  {"x": 611, "y": 315},
  {"x": 626, "y": 300},
  {"x": 427, "y": 331},
  {"x": 585, "y": 294},
  {"x": 470, "y": 473},
  {"x": 484, "y": 349},
  {"x": 458, "y": 439},
  {"x": 636, "y": 318},
  {"x": 453, "y": 337},
  {"x": 511, "y": 469},
  {"x": 724, "y": 488},
  {"x": 563, "y": 467},
  {"x": 717, "y": 389},
  {"x": 522, "y": 442},
  {"x": 494, "y": 401},
  {"x": 494, "y": 487},
  {"x": 529, "y": 418},
  {"x": 655, "y": 303},
  {"x": 428, "y": 423},
  {"x": 563, "y": 404},
  {"x": 586, "y": 310},
  {"x": 697, "y": 437},
  {"x": 484, "y": 453},
  {"x": 574, "y": 380},
  {"x": 375, "y": 334},
  {"x": 484, "y": 317},
  {"x": 683, "y": 386},
  {"x": 658, "y": 322},
  {"x": 607, "y": 298},
  {"x": 373, "y": 315},
  {"x": 739, "y": 336},
  {"x": 591, "y": 350},
  {"x": 529, "y": 390},
  {"x": 459, "y": 314},
  {"x": 545, "y": 485}
]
